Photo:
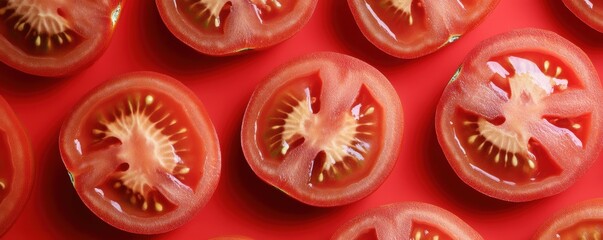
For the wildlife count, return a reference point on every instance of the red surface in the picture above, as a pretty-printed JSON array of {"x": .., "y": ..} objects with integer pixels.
[{"x": 243, "y": 204}]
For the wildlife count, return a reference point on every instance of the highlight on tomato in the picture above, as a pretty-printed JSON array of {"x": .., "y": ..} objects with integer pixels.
[
  {"x": 227, "y": 27},
  {"x": 583, "y": 220},
  {"x": 324, "y": 128},
  {"x": 520, "y": 120},
  {"x": 142, "y": 152},
  {"x": 55, "y": 38},
  {"x": 590, "y": 12},
  {"x": 407, "y": 220}
]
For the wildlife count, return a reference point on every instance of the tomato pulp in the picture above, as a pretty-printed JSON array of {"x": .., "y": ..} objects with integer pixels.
[
  {"x": 589, "y": 11},
  {"x": 581, "y": 221}
]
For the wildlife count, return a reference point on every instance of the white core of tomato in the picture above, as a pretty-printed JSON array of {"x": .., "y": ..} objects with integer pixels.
[
  {"x": 211, "y": 8},
  {"x": 400, "y": 7}
]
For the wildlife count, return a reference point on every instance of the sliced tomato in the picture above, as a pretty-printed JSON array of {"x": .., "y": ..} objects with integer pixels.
[
  {"x": 519, "y": 120},
  {"x": 324, "y": 128},
  {"x": 581, "y": 221},
  {"x": 16, "y": 167},
  {"x": 142, "y": 152},
  {"x": 225, "y": 27},
  {"x": 408, "y": 220},
  {"x": 55, "y": 38},
  {"x": 589, "y": 11},
  {"x": 414, "y": 28}
]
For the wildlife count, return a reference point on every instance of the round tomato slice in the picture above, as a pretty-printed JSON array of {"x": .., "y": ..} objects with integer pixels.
[
  {"x": 411, "y": 29},
  {"x": 589, "y": 11},
  {"x": 142, "y": 152},
  {"x": 226, "y": 27},
  {"x": 16, "y": 167},
  {"x": 325, "y": 128},
  {"x": 408, "y": 220},
  {"x": 520, "y": 118},
  {"x": 581, "y": 221},
  {"x": 55, "y": 38}
]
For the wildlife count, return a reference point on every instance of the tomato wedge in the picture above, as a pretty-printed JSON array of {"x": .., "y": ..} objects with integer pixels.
[
  {"x": 226, "y": 27},
  {"x": 581, "y": 221},
  {"x": 589, "y": 11},
  {"x": 408, "y": 220},
  {"x": 55, "y": 38},
  {"x": 411, "y": 29},
  {"x": 16, "y": 167},
  {"x": 325, "y": 128},
  {"x": 142, "y": 152},
  {"x": 520, "y": 119}
]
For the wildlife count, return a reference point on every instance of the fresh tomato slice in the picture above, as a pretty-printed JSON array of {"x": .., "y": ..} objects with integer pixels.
[
  {"x": 581, "y": 221},
  {"x": 519, "y": 120},
  {"x": 142, "y": 152},
  {"x": 325, "y": 128},
  {"x": 55, "y": 38},
  {"x": 408, "y": 220},
  {"x": 16, "y": 167},
  {"x": 223, "y": 27},
  {"x": 411, "y": 29},
  {"x": 589, "y": 11}
]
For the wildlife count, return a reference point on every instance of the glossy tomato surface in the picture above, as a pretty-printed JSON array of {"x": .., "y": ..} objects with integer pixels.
[
  {"x": 411, "y": 29},
  {"x": 16, "y": 167},
  {"x": 583, "y": 220},
  {"x": 222, "y": 27},
  {"x": 589, "y": 11},
  {"x": 142, "y": 152},
  {"x": 325, "y": 128},
  {"x": 243, "y": 204},
  {"x": 55, "y": 38}
]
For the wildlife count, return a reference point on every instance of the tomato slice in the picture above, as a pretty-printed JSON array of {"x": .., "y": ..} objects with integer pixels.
[
  {"x": 519, "y": 121},
  {"x": 16, "y": 167},
  {"x": 142, "y": 152},
  {"x": 589, "y": 11},
  {"x": 408, "y": 220},
  {"x": 55, "y": 38},
  {"x": 223, "y": 27},
  {"x": 580, "y": 221},
  {"x": 411, "y": 29},
  {"x": 325, "y": 128}
]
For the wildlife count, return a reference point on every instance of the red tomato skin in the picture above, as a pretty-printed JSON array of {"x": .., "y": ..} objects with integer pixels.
[
  {"x": 589, "y": 16},
  {"x": 588, "y": 210}
]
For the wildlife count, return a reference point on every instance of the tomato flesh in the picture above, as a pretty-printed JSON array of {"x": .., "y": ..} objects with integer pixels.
[
  {"x": 589, "y": 11},
  {"x": 400, "y": 19},
  {"x": 583, "y": 220},
  {"x": 421, "y": 231},
  {"x": 6, "y": 167},
  {"x": 589, "y": 229}
]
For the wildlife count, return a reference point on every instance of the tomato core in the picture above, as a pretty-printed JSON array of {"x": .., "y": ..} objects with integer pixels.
[
  {"x": 207, "y": 15},
  {"x": 6, "y": 167},
  {"x": 590, "y": 229}
]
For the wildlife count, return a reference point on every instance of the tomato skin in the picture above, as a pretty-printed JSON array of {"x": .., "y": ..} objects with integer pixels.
[
  {"x": 200, "y": 129},
  {"x": 592, "y": 16},
  {"x": 473, "y": 73},
  {"x": 586, "y": 211},
  {"x": 397, "y": 220},
  {"x": 242, "y": 30},
  {"x": 21, "y": 154}
]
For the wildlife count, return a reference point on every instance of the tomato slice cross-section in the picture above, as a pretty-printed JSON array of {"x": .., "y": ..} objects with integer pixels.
[
  {"x": 583, "y": 220},
  {"x": 324, "y": 128},
  {"x": 519, "y": 121},
  {"x": 142, "y": 152},
  {"x": 589, "y": 11}
]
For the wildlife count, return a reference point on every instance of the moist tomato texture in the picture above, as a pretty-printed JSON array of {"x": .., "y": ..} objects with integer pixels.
[
  {"x": 580, "y": 221},
  {"x": 519, "y": 120},
  {"x": 589, "y": 11},
  {"x": 55, "y": 38},
  {"x": 225, "y": 27},
  {"x": 142, "y": 153},
  {"x": 408, "y": 220},
  {"x": 414, "y": 28},
  {"x": 324, "y": 128}
]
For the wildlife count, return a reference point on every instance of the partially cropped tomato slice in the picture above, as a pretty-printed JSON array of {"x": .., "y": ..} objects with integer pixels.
[
  {"x": 324, "y": 128},
  {"x": 581, "y": 221},
  {"x": 225, "y": 27},
  {"x": 16, "y": 167},
  {"x": 414, "y": 28},
  {"x": 408, "y": 220},
  {"x": 142, "y": 152},
  {"x": 520, "y": 118},
  {"x": 589, "y": 11},
  {"x": 55, "y": 37}
]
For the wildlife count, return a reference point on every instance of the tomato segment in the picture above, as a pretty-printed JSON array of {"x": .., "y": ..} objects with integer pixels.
[
  {"x": 580, "y": 221},
  {"x": 589, "y": 11},
  {"x": 588, "y": 229}
]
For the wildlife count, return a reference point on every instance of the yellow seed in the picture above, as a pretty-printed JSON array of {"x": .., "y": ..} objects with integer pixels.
[
  {"x": 418, "y": 235},
  {"x": 558, "y": 71},
  {"x": 436, "y": 237},
  {"x": 369, "y": 111},
  {"x": 2, "y": 186},
  {"x": 321, "y": 177},
  {"x": 145, "y": 206},
  {"x": 472, "y": 139},
  {"x": 467, "y": 123},
  {"x": 410, "y": 21},
  {"x": 184, "y": 170},
  {"x": 183, "y": 130},
  {"x": 149, "y": 99},
  {"x": 576, "y": 126},
  {"x": 38, "y": 41},
  {"x": 514, "y": 161},
  {"x": 481, "y": 145},
  {"x": 158, "y": 207},
  {"x": 117, "y": 185},
  {"x": 547, "y": 64},
  {"x": 68, "y": 37},
  {"x": 21, "y": 27},
  {"x": 60, "y": 39},
  {"x": 497, "y": 158}
]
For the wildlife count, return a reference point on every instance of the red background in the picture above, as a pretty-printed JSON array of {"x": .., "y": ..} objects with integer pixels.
[{"x": 243, "y": 204}]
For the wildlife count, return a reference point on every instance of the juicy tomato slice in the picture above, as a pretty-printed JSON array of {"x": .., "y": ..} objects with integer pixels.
[
  {"x": 408, "y": 220},
  {"x": 580, "y": 221},
  {"x": 589, "y": 11},
  {"x": 414, "y": 28},
  {"x": 519, "y": 120},
  {"x": 225, "y": 27},
  {"x": 325, "y": 128},
  {"x": 16, "y": 167},
  {"x": 142, "y": 152},
  {"x": 55, "y": 37}
]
